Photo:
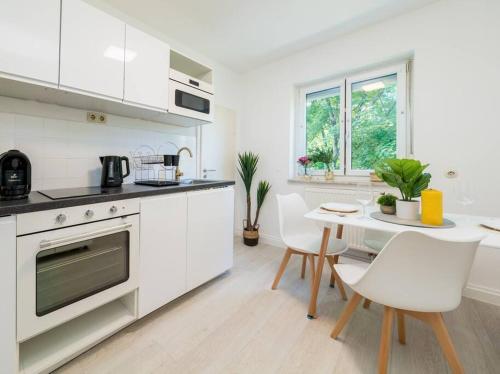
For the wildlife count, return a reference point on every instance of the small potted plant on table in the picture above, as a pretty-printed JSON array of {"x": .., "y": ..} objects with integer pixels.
[
  {"x": 408, "y": 176},
  {"x": 387, "y": 203},
  {"x": 247, "y": 168}
]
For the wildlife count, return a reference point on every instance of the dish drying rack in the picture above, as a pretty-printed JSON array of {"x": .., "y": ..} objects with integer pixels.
[{"x": 155, "y": 169}]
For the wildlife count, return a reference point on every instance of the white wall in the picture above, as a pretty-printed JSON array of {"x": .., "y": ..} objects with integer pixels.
[
  {"x": 456, "y": 79},
  {"x": 456, "y": 124},
  {"x": 64, "y": 148}
]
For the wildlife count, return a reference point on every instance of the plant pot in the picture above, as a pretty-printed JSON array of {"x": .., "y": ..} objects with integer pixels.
[
  {"x": 329, "y": 175},
  {"x": 250, "y": 237},
  {"x": 407, "y": 209},
  {"x": 386, "y": 209}
]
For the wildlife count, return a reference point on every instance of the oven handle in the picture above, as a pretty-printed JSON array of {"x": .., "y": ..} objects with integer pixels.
[{"x": 45, "y": 244}]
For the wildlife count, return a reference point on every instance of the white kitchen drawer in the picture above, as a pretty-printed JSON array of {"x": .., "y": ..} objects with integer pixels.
[{"x": 75, "y": 215}]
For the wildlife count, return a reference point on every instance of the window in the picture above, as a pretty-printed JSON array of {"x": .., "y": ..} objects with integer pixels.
[{"x": 348, "y": 125}]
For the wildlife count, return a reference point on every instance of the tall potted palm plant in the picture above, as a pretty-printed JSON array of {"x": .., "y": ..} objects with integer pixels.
[{"x": 247, "y": 168}]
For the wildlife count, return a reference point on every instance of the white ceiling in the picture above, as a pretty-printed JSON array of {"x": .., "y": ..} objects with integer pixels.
[{"x": 244, "y": 34}]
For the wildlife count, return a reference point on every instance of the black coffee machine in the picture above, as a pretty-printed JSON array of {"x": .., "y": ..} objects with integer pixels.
[
  {"x": 15, "y": 175},
  {"x": 112, "y": 171}
]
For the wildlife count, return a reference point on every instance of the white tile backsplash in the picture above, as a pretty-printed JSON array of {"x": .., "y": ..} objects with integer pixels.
[{"x": 64, "y": 151}]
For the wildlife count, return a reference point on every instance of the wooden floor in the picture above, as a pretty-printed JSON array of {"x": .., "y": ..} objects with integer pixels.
[{"x": 236, "y": 324}]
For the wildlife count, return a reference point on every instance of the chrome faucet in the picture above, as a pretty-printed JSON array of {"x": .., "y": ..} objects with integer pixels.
[{"x": 178, "y": 172}]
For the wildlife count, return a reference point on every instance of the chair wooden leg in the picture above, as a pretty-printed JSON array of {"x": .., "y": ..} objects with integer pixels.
[
  {"x": 335, "y": 275},
  {"x": 401, "y": 327},
  {"x": 303, "y": 270},
  {"x": 332, "y": 280},
  {"x": 313, "y": 269},
  {"x": 335, "y": 261},
  {"x": 385, "y": 340},
  {"x": 346, "y": 314},
  {"x": 367, "y": 303},
  {"x": 437, "y": 323},
  {"x": 282, "y": 268}
]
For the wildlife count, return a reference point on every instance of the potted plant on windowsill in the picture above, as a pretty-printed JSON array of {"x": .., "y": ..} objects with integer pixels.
[
  {"x": 324, "y": 156},
  {"x": 408, "y": 176},
  {"x": 387, "y": 203},
  {"x": 247, "y": 168},
  {"x": 304, "y": 161}
]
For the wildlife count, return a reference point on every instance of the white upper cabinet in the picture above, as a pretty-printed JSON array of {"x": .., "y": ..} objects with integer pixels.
[
  {"x": 92, "y": 50},
  {"x": 147, "y": 64},
  {"x": 29, "y": 40}
]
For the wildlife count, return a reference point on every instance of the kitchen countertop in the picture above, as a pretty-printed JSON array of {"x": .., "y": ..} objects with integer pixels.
[{"x": 38, "y": 202}]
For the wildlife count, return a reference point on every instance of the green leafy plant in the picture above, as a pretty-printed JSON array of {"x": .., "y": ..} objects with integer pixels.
[
  {"x": 405, "y": 174},
  {"x": 248, "y": 162},
  {"x": 387, "y": 200},
  {"x": 324, "y": 156}
]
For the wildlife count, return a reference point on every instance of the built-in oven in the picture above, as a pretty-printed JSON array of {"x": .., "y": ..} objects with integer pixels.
[
  {"x": 69, "y": 270},
  {"x": 189, "y": 101}
]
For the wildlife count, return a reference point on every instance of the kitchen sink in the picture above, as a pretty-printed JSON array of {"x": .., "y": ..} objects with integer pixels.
[{"x": 196, "y": 181}]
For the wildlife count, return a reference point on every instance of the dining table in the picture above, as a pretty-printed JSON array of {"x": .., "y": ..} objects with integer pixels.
[{"x": 466, "y": 226}]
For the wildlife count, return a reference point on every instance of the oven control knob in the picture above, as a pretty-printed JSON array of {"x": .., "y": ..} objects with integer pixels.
[
  {"x": 61, "y": 218},
  {"x": 113, "y": 209},
  {"x": 89, "y": 214}
]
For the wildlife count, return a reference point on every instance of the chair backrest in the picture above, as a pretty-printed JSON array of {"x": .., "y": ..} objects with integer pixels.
[
  {"x": 291, "y": 210},
  {"x": 418, "y": 272}
]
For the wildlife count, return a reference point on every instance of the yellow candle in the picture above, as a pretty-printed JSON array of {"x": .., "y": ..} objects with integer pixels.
[{"x": 432, "y": 207}]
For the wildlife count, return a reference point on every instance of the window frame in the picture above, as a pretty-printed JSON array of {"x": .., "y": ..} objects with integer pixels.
[
  {"x": 401, "y": 125},
  {"x": 403, "y": 131},
  {"x": 301, "y": 124}
]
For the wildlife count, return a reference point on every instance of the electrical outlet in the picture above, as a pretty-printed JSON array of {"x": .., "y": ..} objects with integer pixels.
[
  {"x": 451, "y": 174},
  {"x": 96, "y": 117}
]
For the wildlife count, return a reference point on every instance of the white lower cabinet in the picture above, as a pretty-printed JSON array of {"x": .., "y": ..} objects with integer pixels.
[
  {"x": 162, "y": 251},
  {"x": 186, "y": 240},
  {"x": 8, "y": 346},
  {"x": 209, "y": 234}
]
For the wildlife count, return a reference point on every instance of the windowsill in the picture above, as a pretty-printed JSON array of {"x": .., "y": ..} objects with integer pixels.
[{"x": 337, "y": 181}]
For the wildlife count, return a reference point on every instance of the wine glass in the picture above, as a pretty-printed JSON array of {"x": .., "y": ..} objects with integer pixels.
[
  {"x": 465, "y": 193},
  {"x": 465, "y": 197},
  {"x": 364, "y": 196}
]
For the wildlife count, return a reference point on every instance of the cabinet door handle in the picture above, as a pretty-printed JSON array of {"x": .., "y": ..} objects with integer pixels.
[
  {"x": 205, "y": 170},
  {"x": 45, "y": 244}
]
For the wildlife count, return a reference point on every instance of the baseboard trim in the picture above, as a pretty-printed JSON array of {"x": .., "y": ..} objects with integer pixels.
[
  {"x": 481, "y": 293},
  {"x": 265, "y": 239}
]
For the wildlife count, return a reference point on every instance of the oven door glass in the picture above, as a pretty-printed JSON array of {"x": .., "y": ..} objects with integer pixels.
[
  {"x": 72, "y": 272},
  {"x": 192, "y": 102}
]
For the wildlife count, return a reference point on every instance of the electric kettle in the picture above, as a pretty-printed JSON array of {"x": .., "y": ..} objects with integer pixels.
[{"x": 112, "y": 171}]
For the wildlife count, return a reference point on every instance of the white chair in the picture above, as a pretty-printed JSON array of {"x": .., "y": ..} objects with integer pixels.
[
  {"x": 414, "y": 275},
  {"x": 376, "y": 239},
  {"x": 303, "y": 237}
]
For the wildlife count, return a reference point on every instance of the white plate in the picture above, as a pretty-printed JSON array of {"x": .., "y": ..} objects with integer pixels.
[
  {"x": 493, "y": 224},
  {"x": 339, "y": 207}
]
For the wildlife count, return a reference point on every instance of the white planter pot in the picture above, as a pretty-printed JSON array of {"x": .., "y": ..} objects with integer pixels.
[{"x": 407, "y": 209}]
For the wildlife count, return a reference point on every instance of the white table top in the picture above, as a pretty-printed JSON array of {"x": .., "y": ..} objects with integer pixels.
[{"x": 466, "y": 226}]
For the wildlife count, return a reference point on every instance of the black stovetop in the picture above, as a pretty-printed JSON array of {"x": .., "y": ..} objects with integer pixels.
[{"x": 66, "y": 193}]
